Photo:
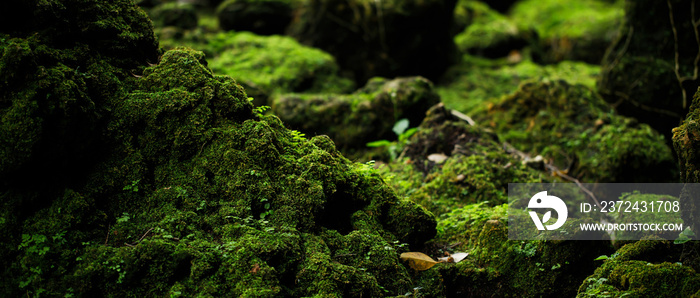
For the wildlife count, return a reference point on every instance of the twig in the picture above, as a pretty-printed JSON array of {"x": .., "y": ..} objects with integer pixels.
[
  {"x": 107, "y": 239},
  {"x": 463, "y": 117},
  {"x": 144, "y": 235},
  {"x": 554, "y": 170}
]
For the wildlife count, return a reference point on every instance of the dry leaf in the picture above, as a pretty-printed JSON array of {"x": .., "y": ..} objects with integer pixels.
[{"x": 418, "y": 261}]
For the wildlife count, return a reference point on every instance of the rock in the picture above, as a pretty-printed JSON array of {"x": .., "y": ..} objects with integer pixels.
[
  {"x": 557, "y": 120},
  {"x": 638, "y": 70},
  {"x": 265, "y": 17},
  {"x": 380, "y": 38},
  {"x": 366, "y": 115}
]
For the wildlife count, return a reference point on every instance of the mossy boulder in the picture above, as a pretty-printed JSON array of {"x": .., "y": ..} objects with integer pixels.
[
  {"x": 372, "y": 38},
  {"x": 643, "y": 269},
  {"x": 264, "y": 17},
  {"x": 488, "y": 33},
  {"x": 469, "y": 85},
  {"x": 366, "y": 115},
  {"x": 639, "y": 70},
  {"x": 578, "y": 131},
  {"x": 580, "y": 30},
  {"x": 475, "y": 168},
  {"x": 175, "y": 14},
  {"x": 178, "y": 186},
  {"x": 497, "y": 266},
  {"x": 200, "y": 194},
  {"x": 275, "y": 63}
]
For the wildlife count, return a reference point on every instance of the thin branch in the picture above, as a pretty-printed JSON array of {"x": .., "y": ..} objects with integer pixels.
[{"x": 555, "y": 171}]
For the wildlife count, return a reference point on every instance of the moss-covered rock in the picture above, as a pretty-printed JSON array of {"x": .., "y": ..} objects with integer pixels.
[
  {"x": 192, "y": 191},
  {"x": 488, "y": 33},
  {"x": 264, "y": 17},
  {"x": 574, "y": 126},
  {"x": 643, "y": 269},
  {"x": 275, "y": 64},
  {"x": 471, "y": 84},
  {"x": 497, "y": 266},
  {"x": 639, "y": 70},
  {"x": 366, "y": 115},
  {"x": 580, "y": 30},
  {"x": 475, "y": 166},
  {"x": 380, "y": 38},
  {"x": 176, "y": 14}
]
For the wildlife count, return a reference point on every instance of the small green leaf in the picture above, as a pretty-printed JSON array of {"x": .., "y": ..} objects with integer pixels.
[
  {"x": 603, "y": 257},
  {"x": 380, "y": 143},
  {"x": 400, "y": 126}
]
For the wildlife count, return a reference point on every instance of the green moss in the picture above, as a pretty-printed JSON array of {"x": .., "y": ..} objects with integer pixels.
[
  {"x": 574, "y": 126},
  {"x": 366, "y": 115},
  {"x": 642, "y": 269},
  {"x": 489, "y": 33},
  {"x": 502, "y": 267},
  {"x": 579, "y": 31},
  {"x": 476, "y": 169},
  {"x": 470, "y": 85},
  {"x": 202, "y": 195}
]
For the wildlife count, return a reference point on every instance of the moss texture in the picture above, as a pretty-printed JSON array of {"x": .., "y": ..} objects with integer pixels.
[
  {"x": 276, "y": 64},
  {"x": 355, "y": 119},
  {"x": 638, "y": 70},
  {"x": 469, "y": 85},
  {"x": 192, "y": 191},
  {"x": 500, "y": 267},
  {"x": 487, "y": 32},
  {"x": 574, "y": 126},
  {"x": 476, "y": 168},
  {"x": 580, "y": 30},
  {"x": 643, "y": 269},
  {"x": 370, "y": 38}
]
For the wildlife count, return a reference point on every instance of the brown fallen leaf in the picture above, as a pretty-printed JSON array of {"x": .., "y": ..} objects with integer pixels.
[{"x": 418, "y": 261}]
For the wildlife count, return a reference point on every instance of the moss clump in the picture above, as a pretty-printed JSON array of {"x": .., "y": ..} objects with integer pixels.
[
  {"x": 643, "y": 269},
  {"x": 191, "y": 190},
  {"x": 476, "y": 168},
  {"x": 501, "y": 267},
  {"x": 370, "y": 38},
  {"x": 263, "y": 17},
  {"x": 570, "y": 31},
  {"x": 489, "y": 33},
  {"x": 577, "y": 129},
  {"x": 276, "y": 63},
  {"x": 638, "y": 70},
  {"x": 469, "y": 85},
  {"x": 366, "y": 115}
]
